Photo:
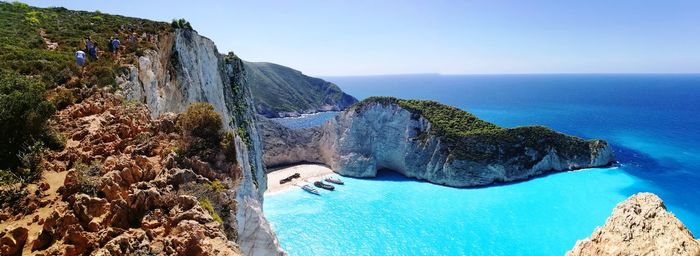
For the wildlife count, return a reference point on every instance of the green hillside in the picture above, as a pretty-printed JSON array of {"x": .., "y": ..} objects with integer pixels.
[
  {"x": 38, "y": 73},
  {"x": 278, "y": 89}
]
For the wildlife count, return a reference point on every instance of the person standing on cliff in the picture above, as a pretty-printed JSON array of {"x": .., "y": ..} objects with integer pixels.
[
  {"x": 115, "y": 46},
  {"x": 92, "y": 51},
  {"x": 80, "y": 60},
  {"x": 110, "y": 47}
]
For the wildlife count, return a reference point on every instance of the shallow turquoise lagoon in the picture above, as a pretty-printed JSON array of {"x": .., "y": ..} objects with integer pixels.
[
  {"x": 391, "y": 215},
  {"x": 651, "y": 121}
]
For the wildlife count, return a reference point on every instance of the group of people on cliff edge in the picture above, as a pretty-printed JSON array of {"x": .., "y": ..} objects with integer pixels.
[{"x": 89, "y": 46}]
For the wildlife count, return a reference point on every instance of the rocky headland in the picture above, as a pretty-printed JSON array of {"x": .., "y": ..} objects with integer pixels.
[
  {"x": 432, "y": 142},
  {"x": 640, "y": 225}
]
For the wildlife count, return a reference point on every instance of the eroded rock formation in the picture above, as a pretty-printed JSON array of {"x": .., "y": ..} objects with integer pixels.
[
  {"x": 118, "y": 189},
  {"x": 381, "y": 134},
  {"x": 640, "y": 225}
]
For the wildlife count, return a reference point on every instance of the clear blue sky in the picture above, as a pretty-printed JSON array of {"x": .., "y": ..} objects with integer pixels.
[{"x": 452, "y": 37}]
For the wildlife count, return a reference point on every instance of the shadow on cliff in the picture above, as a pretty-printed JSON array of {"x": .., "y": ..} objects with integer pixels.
[{"x": 674, "y": 181}]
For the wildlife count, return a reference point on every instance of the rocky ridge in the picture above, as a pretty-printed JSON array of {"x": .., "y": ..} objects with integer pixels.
[
  {"x": 118, "y": 189},
  {"x": 640, "y": 225},
  {"x": 382, "y": 134},
  {"x": 122, "y": 187}
]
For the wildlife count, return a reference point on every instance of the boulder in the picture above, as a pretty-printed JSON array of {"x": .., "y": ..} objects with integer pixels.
[
  {"x": 13, "y": 241},
  {"x": 640, "y": 225}
]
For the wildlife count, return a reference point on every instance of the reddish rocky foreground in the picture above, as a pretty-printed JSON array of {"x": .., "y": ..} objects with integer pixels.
[
  {"x": 118, "y": 188},
  {"x": 640, "y": 225}
]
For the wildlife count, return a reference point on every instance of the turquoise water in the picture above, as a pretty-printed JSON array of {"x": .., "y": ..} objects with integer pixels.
[
  {"x": 651, "y": 120},
  {"x": 307, "y": 120}
]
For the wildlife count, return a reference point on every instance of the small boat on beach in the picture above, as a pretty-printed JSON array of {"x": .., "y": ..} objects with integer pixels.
[
  {"x": 309, "y": 189},
  {"x": 335, "y": 181},
  {"x": 290, "y": 178},
  {"x": 322, "y": 185}
]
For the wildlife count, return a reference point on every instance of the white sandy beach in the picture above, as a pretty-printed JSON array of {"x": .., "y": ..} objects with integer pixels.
[{"x": 309, "y": 173}]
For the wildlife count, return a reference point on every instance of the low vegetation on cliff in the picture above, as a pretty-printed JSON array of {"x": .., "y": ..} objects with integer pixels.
[
  {"x": 474, "y": 139},
  {"x": 84, "y": 171},
  {"x": 41, "y": 42},
  {"x": 38, "y": 71}
]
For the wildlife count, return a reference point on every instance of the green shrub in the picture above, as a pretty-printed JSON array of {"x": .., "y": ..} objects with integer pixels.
[
  {"x": 7, "y": 177},
  {"x": 228, "y": 146},
  {"x": 87, "y": 178},
  {"x": 206, "y": 204},
  {"x": 201, "y": 129},
  {"x": 54, "y": 140},
  {"x": 23, "y": 115},
  {"x": 63, "y": 98},
  {"x": 180, "y": 23},
  {"x": 101, "y": 73},
  {"x": 216, "y": 186},
  {"x": 11, "y": 196},
  {"x": 30, "y": 158},
  {"x": 200, "y": 120}
]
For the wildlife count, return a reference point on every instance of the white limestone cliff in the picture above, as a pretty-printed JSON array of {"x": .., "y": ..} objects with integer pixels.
[{"x": 187, "y": 68}]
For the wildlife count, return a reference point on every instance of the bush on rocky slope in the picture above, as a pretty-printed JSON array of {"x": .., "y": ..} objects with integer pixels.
[
  {"x": 23, "y": 116},
  {"x": 202, "y": 129}
]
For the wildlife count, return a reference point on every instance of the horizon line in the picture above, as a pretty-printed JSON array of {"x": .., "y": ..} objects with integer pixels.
[{"x": 510, "y": 74}]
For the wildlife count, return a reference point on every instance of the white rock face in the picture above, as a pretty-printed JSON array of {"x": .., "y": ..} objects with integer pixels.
[
  {"x": 202, "y": 75},
  {"x": 640, "y": 225},
  {"x": 386, "y": 136}
]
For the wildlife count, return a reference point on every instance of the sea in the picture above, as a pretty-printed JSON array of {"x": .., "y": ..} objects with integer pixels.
[{"x": 651, "y": 120}]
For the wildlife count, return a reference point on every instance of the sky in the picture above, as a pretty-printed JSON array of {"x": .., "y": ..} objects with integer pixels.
[{"x": 342, "y": 38}]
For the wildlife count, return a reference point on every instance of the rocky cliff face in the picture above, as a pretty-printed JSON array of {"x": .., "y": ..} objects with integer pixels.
[
  {"x": 187, "y": 68},
  {"x": 640, "y": 225},
  {"x": 373, "y": 136}
]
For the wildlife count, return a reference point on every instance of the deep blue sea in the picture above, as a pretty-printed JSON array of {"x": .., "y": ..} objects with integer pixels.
[{"x": 652, "y": 121}]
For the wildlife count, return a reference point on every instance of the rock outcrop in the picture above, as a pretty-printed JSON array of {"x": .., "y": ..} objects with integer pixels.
[
  {"x": 388, "y": 133},
  {"x": 119, "y": 189},
  {"x": 640, "y": 225},
  {"x": 187, "y": 68},
  {"x": 280, "y": 91}
]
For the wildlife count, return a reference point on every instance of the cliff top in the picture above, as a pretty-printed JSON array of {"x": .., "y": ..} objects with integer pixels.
[
  {"x": 640, "y": 225},
  {"x": 42, "y": 42},
  {"x": 470, "y": 137}
]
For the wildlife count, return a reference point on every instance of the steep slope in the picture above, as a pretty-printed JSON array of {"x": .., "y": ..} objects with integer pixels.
[
  {"x": 187, "y": 68},
  {"x": 280, "y": 91},
  {"x": 142, "y": 192},
  {"x": 433, "y": 142},
  {"x": 640, "y": 225}
]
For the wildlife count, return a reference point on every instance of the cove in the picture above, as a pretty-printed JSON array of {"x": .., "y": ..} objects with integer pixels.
[
  {"x": 393, "y": 215},
  {"x": 650, "y": 120}
]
